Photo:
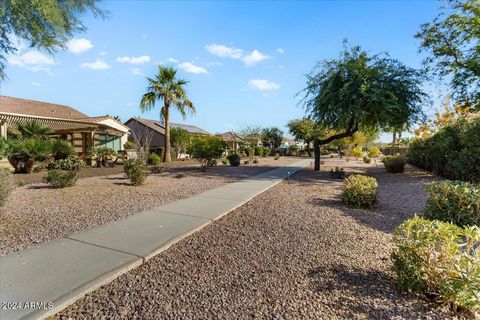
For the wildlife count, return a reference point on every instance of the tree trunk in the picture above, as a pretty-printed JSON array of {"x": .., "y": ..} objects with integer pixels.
[
  {"x": 316, "y": 147},
  {"x": 394, "y": 137},
  {"x": 166, "y": 156}
]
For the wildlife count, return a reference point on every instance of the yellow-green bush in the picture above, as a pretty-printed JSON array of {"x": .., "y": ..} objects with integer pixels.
[
  {"x": 360, "y": 191},
  {"x": 357, "y": 152},
  {"x": 373, "y": 152},
  {"x": 439, "y": 259},
  {"x": 454, "y": 201}
]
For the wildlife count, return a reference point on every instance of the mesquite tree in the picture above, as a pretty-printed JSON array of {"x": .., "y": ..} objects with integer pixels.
[{"x": 362, "y": 92}]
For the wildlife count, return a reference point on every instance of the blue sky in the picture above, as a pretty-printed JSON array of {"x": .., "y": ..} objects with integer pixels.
[{"x": 245, "y": 60}]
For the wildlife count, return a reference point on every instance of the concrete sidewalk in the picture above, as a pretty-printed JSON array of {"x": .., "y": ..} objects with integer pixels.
[{"x": 40, "y": 281}]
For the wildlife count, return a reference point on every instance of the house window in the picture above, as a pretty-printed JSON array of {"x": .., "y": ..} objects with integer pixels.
[{"x": 109, "y": 141}]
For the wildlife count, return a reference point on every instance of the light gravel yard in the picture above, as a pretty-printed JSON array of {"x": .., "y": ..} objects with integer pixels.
[
  {"x": 35, "y": 213},
  {"x": 293, "y": 252}
]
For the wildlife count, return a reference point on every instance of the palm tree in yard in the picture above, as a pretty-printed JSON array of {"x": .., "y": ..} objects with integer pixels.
[{"x": 165, "y": 86}]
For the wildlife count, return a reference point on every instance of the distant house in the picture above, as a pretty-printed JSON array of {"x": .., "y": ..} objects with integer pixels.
[
  {"x": 65, "y": 122},
  {"x": 287, "y": 143},
  {"x": 152, "y": 132},
  {"x": 232, "y": 140}
]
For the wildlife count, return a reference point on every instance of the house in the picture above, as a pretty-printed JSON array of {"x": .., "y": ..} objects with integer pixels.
[
  {"x": 232, "y": 140},
  {"x": 65, "y": 122},
  {"x": 151, "y": 133}
]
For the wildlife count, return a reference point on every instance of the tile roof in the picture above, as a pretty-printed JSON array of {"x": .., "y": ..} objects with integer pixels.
[
  {"x": 38, "y": 108},
  {"x": 230, "y": 137},
  {"x": 159, "y": 126}
]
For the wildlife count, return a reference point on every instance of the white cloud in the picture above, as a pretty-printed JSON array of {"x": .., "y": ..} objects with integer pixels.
[
  {"x": 168, "y": 61},
  {"x": 134, "y": 60},
  {"x": 97, "y": 65},
  {"x": 191, "y": 68},
  {"x": 144, "y": 37},
  {"x": 129, "y": 104},
  {"x": 32, "y": 60},
  {"x": 224, "y": 51},
  {"x": 103, "y": 53},
  {"x": 35, "y": 84},
  {"x": 79, "y": 45},
  {"x": 263, "y": 84},
  {"x": 137, "y": 72},
  {"x": 254, "y": 57},
  {"x": 280, "y": 51}
]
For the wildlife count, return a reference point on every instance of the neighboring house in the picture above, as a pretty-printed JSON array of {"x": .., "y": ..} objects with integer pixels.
[
  {"x": 232, "y": 140},
  {"x": 147, "y": 132},
  {"x": 67, "y": 123},
  {"x": 287, "y": 143}
]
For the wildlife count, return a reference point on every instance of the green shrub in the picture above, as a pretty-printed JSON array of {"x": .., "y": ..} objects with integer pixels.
[
  {"x": 374, "y": 152},
  {"x": 454, "y": 201},
  {"x": 24, "y": 153},
  {"x": 72, "y": 163},
  {"x": 259, "y": 151},
  {"x": 266, "y": 151},
  {"x": 136, "y": 171},
  {"x": 246, "y": 162},
  {"x": 62, "y": 149},
  {"x": 439, "y": 259},
  {"x": 234, "y": 159},
  {"x": 357, "y": 152},
  {"x": 338, "y": 173},
  {"x": 277, "y": 156},
  {"x": 212, "y": 163},
  {"x": 5, "y": 186},
  {"x": 205, "y": 149},
  {"x": 394, "y": 164},
  {"x": 224, "y": 162},
  {"x": 367, "y": 160},
  {"x": 255, "y": 160},
  {"x": 154, "y": 159},
  {"x": 250, "y": 152},
  {"x": 360, "y": 191},
  {"x": 155, "y": 169},
  {"x": 61, "y": 178},
  {"x": 130, "y": 145},
  {"x": 104, "y": 155}
]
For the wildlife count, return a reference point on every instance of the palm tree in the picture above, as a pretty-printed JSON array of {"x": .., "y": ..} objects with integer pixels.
[{"x": 165, "y": 86}]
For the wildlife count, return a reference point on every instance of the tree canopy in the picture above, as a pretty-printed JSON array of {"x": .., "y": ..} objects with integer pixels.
[
  {"x": 453, "y": 41},
  {"x": 272, "y": 137},
  {"x": 46, "y": 25},
  {"x": 363, "y": 92}
]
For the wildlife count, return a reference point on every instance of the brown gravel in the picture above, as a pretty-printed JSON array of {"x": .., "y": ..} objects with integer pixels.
[
  {"x": 293, "y": 252},
  {"x": 35, "y": 213}
]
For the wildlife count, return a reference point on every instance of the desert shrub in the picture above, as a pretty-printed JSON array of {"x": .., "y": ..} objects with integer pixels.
[
  {"x": 130, "y": 145},
  {"x": 360, "y": 191},
  {"x": 205, "y": 149},
  {"x": 394, "y": 164},
  {"x": 249, "y": 152},
  {"x": 62, "y": 149},
  {"x": 259, "y": 151},
  {"x": 212, "y": 163},
  {"x": 266, "y": 151},
  {"x": 224, "y": 162},
  {"x": 155, "y": 169},
  {"x": 154, "y": 159},
  {"x": 439, "y": 259},
  {"x": 72, "y": 163},
  {"x": 104, "y": 155},
  {"x": 452, "y": 152},
  {"x": 277, "y": 156},
  {"x": 367, "y": 159},
  {"x": 24, "y": 153},
  {"x": 338, "y": 173},
  {"x": 454, "y": 201},
  {"x": 357, "y": 152},
  {"x": 61, "y": 178},
  {"x": 233, "y": 159},
  {"x": 374, "y": 152},
  {"x": 136, "y": 171},
  {"x": 246, "y": 162},
  {"x": 255, "y": 160},
  {"x": 5, "y": 186}
]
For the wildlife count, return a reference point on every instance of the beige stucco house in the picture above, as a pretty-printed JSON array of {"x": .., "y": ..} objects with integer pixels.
[{"x": 67, "y": 123}]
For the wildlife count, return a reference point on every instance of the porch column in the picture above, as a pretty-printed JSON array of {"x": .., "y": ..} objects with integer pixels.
[{"x": 3, "y": 129}]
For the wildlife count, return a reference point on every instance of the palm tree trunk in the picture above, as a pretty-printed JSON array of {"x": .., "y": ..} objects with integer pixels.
[{"x": 166, "y": 156}]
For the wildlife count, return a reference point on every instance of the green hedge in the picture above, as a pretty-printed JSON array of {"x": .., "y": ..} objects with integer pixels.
[{"x": 453, "y": 152}]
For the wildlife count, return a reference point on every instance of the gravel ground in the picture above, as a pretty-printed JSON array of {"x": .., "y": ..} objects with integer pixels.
[
  {"x": 293, "y": 252},
  {"x": 35, "y": 213}
]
